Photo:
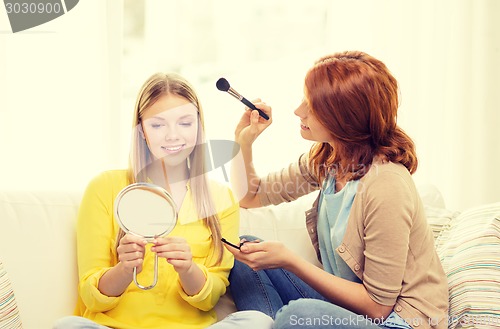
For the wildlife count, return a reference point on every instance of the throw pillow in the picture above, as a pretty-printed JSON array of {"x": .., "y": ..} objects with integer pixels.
[
  {"x": 470, "y": 256},
  {"x": 439, "y": 220},
  {"x": 9, "y": 315}
]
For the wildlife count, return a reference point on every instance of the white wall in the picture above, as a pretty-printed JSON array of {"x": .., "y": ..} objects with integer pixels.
[
  {"x": 67, "y": 87},
  {"x": 59, "y": 98}
]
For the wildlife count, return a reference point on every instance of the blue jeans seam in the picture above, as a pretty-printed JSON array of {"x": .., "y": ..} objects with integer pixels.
[
  {"x": 302, "y": 293},
  {"x": 263, "y": 290}
]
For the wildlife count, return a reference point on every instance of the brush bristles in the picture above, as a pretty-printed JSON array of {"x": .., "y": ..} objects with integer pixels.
[{"x": 222, "y": 84}]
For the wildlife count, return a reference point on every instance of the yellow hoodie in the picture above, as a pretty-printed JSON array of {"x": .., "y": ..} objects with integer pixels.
[{"x": 166, "y": 305}]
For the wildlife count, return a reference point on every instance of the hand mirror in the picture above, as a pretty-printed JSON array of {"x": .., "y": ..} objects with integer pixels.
[{"x": 148, "y": 211}]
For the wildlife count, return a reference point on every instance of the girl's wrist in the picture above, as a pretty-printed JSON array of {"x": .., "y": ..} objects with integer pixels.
[
  {"x": 292, "y": 262},
  {"x": 189, "y": 271},
  {"x": 242, "y": 142},
  {"x": 124, "y": 271}
]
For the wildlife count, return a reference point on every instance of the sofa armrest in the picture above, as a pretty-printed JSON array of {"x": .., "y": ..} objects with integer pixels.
[{"x": 38, "y": 250}]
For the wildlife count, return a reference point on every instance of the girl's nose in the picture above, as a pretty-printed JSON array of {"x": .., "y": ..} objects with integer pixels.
[
  {"x": 171, "y": 134},
  {"x": 301, "y": 110}
]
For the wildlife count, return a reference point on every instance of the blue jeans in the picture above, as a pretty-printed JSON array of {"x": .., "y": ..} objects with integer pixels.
[
  {"x": 307, "y": 313},
  {"x": 293, "y": 303},
  {"x": 241, "y": 320},
  {"x": 267, "y": 291}
]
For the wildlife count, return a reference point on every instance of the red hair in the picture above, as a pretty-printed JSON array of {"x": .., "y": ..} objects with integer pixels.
[{"x": 355, "y": 97}]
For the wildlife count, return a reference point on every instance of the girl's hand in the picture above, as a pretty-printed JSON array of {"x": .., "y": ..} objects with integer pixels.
[
  {"x": 131, "y": 252},
  {"x": 251, "y": 124},
  {"x": 176, "y": 251},
  {"x": 263, "y": 255}
]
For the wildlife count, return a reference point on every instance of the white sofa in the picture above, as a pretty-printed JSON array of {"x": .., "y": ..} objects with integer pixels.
[{"x": 38, "y": 269}]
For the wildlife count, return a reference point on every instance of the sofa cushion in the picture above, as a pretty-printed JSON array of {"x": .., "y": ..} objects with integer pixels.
[
  {"x": 284, "y": 222},
  {"x": 469, "y": 250},
  {"x": 9, "y": 314}
]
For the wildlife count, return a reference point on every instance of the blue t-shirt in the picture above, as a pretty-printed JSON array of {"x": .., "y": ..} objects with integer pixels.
[{"x": 334, "y": 209}]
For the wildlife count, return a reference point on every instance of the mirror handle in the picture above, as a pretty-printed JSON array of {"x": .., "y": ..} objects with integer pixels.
[{"x": 155, "y": 279}]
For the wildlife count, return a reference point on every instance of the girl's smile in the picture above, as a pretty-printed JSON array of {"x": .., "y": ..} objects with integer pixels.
[{"x": 173, "y": 149}]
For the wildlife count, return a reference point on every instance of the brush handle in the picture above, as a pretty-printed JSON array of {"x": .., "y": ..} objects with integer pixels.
[
  {"x": 229, "y": 243},
  {"x": 250, "y": 105}
]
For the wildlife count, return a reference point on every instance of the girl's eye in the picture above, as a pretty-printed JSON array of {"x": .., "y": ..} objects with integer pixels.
[
  {"x": 186, "y": 124},
  {"x": 156, "y": 125}
]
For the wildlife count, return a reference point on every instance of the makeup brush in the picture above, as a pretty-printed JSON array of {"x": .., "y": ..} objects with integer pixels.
[{"x": 223, "y": 85}]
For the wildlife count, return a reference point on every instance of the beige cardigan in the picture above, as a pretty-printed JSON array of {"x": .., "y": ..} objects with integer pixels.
[{"x": 387, "y": 243}]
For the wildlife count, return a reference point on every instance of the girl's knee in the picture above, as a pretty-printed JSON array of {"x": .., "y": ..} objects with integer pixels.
[
  {"x": 257, "y": 318},
  {"x": 299, "y": 306},
  {"x": 245, "y": 320},
  {"x": 298, "y": 312},
  {"x": 68, "y": 322},
  {"x": 76, "y": 322},
  {"x": 249, "y": 237},
  {"x": 294, "y": 309}
]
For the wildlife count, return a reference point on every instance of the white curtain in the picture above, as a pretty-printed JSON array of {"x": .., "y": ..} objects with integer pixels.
[
  {"x": 60, "y": 97},
  {"x": 67, "y": 87},
  {"x": 446, "y": 56}
]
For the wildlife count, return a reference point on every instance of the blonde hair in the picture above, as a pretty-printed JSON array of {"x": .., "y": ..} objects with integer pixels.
[{"x": 158, "y": 85}]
